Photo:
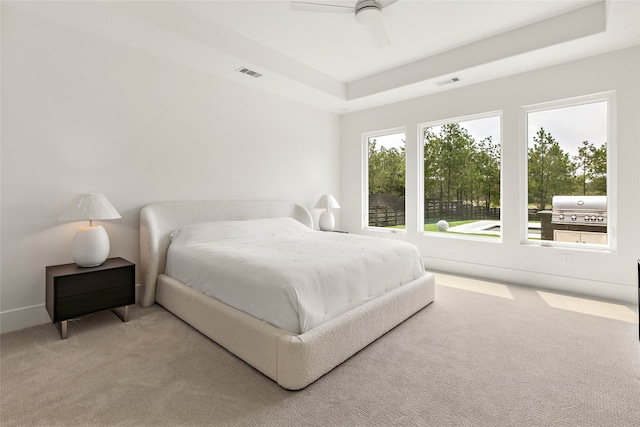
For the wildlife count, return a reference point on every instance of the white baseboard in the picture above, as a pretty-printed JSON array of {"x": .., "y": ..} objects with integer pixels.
[
  {"x": 21, "y": 318},
  {"x": 602, "y": 290},
  {"x": 26, "y": 317}
]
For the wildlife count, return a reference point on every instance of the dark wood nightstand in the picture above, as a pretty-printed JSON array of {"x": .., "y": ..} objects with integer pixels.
[{"x": 75, "y": 291}]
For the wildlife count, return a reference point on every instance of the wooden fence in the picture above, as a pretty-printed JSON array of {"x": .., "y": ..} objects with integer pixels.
[
  {"x": 435, "y": 210},
  {"x": 385, "y": 216},
  {"x": 386, "y": 210}
]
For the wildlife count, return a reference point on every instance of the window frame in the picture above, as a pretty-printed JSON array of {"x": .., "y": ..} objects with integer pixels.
[
  {"x": 611, "y": 141},
  {"x": 365, "y": 181},
  {"x": 420, "y": 156}
]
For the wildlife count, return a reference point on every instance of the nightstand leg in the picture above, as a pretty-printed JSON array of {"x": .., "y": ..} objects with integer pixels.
[
  {"x": 62, "y": 329},
  {"x": 124, "y": 316}
]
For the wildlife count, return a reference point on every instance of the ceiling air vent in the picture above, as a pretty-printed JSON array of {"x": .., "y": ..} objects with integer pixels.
[
  {"x": 448, "y": 81},
  {"x": 249, "y": 72}
]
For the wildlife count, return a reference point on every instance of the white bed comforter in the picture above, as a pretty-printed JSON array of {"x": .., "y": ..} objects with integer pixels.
[{"x": 286, "y": 274}]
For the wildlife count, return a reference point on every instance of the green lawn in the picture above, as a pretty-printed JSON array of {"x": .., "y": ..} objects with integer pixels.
[{"x": 434, "y": 227}]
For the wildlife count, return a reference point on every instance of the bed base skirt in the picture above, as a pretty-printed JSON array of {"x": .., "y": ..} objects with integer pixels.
[{"x": 294, "y": 361}]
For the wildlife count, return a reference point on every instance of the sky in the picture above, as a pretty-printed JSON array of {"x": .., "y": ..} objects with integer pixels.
[
  {"x": 569, "y": 126},
  {"x": 478, "y": 129},
  {"x": 389, "y": 141},
  {"x": 572, "y": 125}
]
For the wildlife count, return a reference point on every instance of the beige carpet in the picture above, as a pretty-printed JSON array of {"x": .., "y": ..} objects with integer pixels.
[{"x": 482, "y": 354}]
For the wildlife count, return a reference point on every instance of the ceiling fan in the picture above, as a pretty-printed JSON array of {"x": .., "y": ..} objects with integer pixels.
[{"x": 367, "y": 13}]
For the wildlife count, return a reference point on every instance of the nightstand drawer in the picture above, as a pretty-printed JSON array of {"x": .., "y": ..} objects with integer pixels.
[
  {"x": 74, "y": 291},
  {"x": 80, "y": 304},
  {"x": 94, "y": 281}
]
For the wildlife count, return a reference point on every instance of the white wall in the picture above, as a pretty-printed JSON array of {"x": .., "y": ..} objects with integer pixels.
[
  {"x": 84, "y": 114},
  {"x": 609, "y": 275}
]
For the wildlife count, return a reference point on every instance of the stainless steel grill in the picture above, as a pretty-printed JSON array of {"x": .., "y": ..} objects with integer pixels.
[{"x": 582, "y": 210}]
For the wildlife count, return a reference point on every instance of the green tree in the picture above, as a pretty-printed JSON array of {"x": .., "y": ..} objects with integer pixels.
[
  {"x": 386, "y": 170},
  {"x": 447, "y": 161},
  {"x": 433, "y": 181},
  {"x": 457, "y": 168},
  {"x": 551, "y": 171},
  {"x": 583, "y": 164},
  {"x": 591, "y": 168},
  {"x": 598, "y": 184},
  {"x": 487, "y": 172}
]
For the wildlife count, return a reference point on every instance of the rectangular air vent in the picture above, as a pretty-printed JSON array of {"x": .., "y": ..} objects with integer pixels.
[
  {"x": 249, "y": 72},
  {"x": 448, "y": 81}
]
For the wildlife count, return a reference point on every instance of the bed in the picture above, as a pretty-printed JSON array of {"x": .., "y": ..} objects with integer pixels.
[{"x": 292, "y": 358}]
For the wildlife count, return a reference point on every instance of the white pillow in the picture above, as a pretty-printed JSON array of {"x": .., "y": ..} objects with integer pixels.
[{"x": 222, "y": 230}]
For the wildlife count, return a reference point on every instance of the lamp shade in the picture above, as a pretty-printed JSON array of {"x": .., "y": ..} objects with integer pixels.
[
  {"x": 89, "y": 206},
  {"x": 90, "y": 246},
  {"x": 327, "y": 201}
]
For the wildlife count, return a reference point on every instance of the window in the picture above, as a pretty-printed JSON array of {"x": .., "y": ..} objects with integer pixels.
[
  {"x": 567, "y": 180},
  {"x": 386, "y": 172},
  {"x": 461, "y": 176}
]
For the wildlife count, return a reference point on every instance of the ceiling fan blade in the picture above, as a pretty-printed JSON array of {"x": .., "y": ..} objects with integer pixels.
[
  {"x": 385, "y": 3},
  {"x": 320, "y": 7},
  {"x": 378, "y": 34}
]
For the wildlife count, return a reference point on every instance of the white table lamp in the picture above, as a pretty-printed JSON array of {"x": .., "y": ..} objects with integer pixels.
[
  {"x": 90, "y": 246},
  {"x": 327, "y": 221}
]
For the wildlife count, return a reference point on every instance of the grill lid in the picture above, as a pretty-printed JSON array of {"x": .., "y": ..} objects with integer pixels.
[{"x": 579, "y": 203}]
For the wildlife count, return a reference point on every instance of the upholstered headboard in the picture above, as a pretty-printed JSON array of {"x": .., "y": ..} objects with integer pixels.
[{"x": 158, "y": 220}]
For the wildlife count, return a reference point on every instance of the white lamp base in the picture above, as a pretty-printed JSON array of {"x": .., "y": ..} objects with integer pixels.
[
  {"x": 90, "y": 246},
  {"x": 327, "y": 221}
]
